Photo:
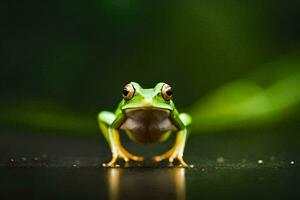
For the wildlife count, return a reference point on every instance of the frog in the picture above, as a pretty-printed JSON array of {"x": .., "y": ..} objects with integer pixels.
[{"x": 147, "y": 116}]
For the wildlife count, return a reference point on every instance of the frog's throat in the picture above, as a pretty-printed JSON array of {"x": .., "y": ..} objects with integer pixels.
[{"x": 147, "y": 125}]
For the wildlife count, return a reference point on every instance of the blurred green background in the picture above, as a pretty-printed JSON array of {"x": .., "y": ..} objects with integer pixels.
[{"x": 233, "y": 65}]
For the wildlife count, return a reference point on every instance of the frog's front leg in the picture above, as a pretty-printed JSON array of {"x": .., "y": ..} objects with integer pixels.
[
  {"x": 107, "y": 121},
  {"x": 176, "y": 152}
]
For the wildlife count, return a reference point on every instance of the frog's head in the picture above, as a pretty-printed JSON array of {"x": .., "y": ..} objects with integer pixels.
[{"x": 136, "y": 97}]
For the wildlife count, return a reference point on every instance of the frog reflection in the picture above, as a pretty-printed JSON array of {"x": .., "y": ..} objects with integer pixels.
[{"x": 146, "y": 183}]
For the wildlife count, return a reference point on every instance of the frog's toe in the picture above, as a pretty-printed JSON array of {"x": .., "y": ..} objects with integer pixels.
[
  {"x": 185, "y": 166},
  {"x": 129, "y": 156},
  {"x": 171, "y": 159},
  {"x": 112, "y": 163},
  {"x": 170, "y": 164},
  {"x": 164, "y": 156},
  {"x": 182, "y": 163},
  {"x": 158, "y": 158},
  {"x": 126, "y": 159},
  {"x": 137, "y": 158}
]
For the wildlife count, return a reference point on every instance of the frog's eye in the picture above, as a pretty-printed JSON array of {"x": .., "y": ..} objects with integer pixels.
[
  {"x": 166, "y": 92},
  {"x": 128, "y": 91}
]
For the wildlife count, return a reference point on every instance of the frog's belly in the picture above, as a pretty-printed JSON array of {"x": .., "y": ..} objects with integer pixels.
[{"x": 147, "y": 125}]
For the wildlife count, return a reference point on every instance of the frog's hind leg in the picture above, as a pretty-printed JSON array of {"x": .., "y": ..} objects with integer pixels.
[{"x": 105, "y": 119}]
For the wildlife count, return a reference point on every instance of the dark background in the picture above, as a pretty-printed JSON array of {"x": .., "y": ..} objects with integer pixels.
[
  {"x": 234, "y": 67},
  {"x": 69, "y": 58}
]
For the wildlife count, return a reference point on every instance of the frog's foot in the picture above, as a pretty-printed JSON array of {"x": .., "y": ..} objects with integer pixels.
[
  {"x": 113, "y": 162},
  {"x": 182, "y": 163},
  {"x": 122, "y": 153},
  {"x": 172, "y": 155},
  {"x": 163, "y": 156},
  {"x": 128, "y": 156}
]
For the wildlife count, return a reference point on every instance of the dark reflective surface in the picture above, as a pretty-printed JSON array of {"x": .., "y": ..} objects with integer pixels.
[
  {"x": 226, "y": 167},
  {"x": 114, "y": 184}
]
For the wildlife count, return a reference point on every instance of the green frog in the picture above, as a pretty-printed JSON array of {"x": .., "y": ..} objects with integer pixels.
[{"x": 147, "y": 116}]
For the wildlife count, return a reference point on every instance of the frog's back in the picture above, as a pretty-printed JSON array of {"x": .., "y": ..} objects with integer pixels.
[{"x": 147, "y": 125}]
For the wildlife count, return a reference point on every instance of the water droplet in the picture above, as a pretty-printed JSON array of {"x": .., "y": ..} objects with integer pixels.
[
  {"x": 260, "y": 162},
  {"x": 292, "y": 162},
  {"x": 74, "y": 165},
  {"x": 220, "y": 160},
  {"x": 12, "y": 160}
]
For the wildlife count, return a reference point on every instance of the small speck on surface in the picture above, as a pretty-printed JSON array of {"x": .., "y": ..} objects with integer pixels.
[
  {"x": 35, "y": 158},
  {"x": 24, "y": 159},
  {"x": 260, "y": 162},
  {"x": 292, "y": 162},
  {"x": 76, "y": 163},
  {"x": 220, "y": 160}
]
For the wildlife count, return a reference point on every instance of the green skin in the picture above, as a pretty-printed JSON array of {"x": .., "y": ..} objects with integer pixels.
[{"x": 143, "y": 101}]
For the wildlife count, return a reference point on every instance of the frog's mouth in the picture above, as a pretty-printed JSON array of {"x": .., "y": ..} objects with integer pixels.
[
  {"x": 158, "y": 109},
  {"x": 145, "y": 105},
  {"x": 153, "y": 113}
]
